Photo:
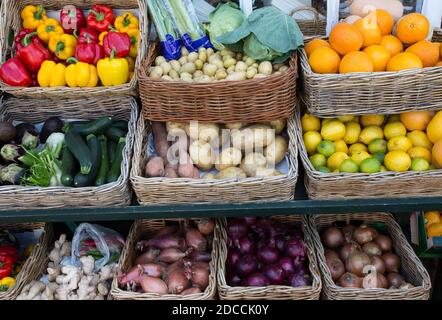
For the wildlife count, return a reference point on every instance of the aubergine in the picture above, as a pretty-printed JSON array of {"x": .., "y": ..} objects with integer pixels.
[
  {"x": 27, "y": 135},
  {"x": 11, "y": 152},
  {"x": 53, "y": 124},
  {"x": 7, "y": 132},
  {"x": 12, "y": 174}
]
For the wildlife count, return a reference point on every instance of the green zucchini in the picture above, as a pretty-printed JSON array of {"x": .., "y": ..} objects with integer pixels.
[
  {"x": 111, "y": 148},
  {"x": 104, "y": 164},
  {"x": 69, "y": 167},
  {"x": 120, "y": 124},
  {"x": 85, "y": 180},
  {"x": 80, "y": 150},
  {"x": 96, "y": 127},
  {"x": 114, "y": 134},
  {"x": 115, "y": 170}
]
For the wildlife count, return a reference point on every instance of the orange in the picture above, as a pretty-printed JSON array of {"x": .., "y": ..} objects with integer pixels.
[
  {"x": 385, "y": 21},
  {"x": 439, "y": 64},
  {"x": 404, "y": 61},
  {"x": 345, "y": 37},
  {"x": 427, "y": 51},
  {"x": 314, "y": 44},
  {"x": 356, "y": 61},
  {"x": 379, "y": 55},
  {"x": 412, "y": 28},
  {"x": 392, "y": 44},
  {"x": 415, "y": 120},
  {"x": 437, "y": 153},
  {"x": 440, "y": 50},
  {"x": 420, "y": 152},
  {"x": 371, "y": 33},
  {"x": 434, "y": 128},
  {"x": 324, "y": 60}
]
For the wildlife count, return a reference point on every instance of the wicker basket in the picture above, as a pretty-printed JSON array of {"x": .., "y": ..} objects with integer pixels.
[
  {"x": 252, "y": 100},
  {"x": 437, "y": 35},
  {"x": 11, "y": 20},
  {"x": 312, "y": 292},
  {"x": 167, "y": 191},
  {"x": 142, "y": 229},
  {"x": 332, "y": 95},
  {"x": 411, "y": 266},
  {"x": 34, "y": 111},
  {"x": 363, "y": 185},
  {"x": 32, "y": 267},
  {"x": 310, "y": 28}
]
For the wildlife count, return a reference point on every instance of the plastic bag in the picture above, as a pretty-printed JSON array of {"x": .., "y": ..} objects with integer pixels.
[{"x": 104, "y": 244}]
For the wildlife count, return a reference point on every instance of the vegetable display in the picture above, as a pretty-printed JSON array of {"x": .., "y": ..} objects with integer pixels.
[
  {"x": 263, "y": 252},
  {"x": 238, "y": 150},
  {"x": 362, "y": 257},
  {"x": 46, "y": 48},
  {"x": 175, "y": 261},
  {"x": 66, "y": 155}
]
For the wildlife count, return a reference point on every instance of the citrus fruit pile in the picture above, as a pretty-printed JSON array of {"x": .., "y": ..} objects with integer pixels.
[
  {"x": 433, "y": 224},
  {"x": 410, "y": 141},
  {"x": 368, "y": 45}
]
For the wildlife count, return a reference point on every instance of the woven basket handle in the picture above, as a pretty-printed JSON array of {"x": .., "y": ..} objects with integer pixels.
[{"x": 305, "y": 8}]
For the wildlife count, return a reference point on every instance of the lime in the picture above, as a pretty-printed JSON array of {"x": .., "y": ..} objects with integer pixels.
[
  {"x": 326, "y": 147},
  {"x": 419, "y": 164},
  {"x": 377, "y": 145},
  {"x": 370, "y": 165},
  {"x": 349, "y": 165},
  {"x": 360, "y": 156},
  {"x": 318, "y": 160},
  {"x": 323, "y": 169},
  {"x": 380, "y": 156}
]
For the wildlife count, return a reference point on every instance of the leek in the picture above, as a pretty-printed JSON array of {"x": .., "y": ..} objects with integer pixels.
[{"x": 183, "y": 13}]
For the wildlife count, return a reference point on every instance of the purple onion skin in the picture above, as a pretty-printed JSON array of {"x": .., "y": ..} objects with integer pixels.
[
  {"x": 246, "y": 246},
  {"x": 302, "y": 269},
  {"x": 296, "y": 233},
  {"x": 274, "y": 273},
  {"x": 237, "y": 229},
  {"x": 256, "y": 280},
  {"x": 295, "y": 248},
  {"x": 287, "y": 266},
  {"x": 250, "y": 220},
  {"x": 246, "y": 266},
  {"x": 280, "y": 243},
  {"x": 232, "y": 258},
  {"x": 233, "y": 280},
  {"x": 298, "y": 262},
  {"x": 299, "y": 280},
  {"x": 268, "y": 255}
]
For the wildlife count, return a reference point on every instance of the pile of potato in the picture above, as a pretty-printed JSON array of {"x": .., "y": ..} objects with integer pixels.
[
  {"x": 241, "y": 151},
  {"x": 206, "y": 65}
]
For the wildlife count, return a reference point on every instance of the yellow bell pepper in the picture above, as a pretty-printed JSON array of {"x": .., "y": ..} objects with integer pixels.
[
  {"x": 7, "y": 283},
  {"x": 80, "y": 74},
  {"x": 126, "y": 21},
  {"x": 101, "y": 37},
  {"x": 33, "y": 16},
  {"x": 131, "y": 63},
  {"x": 134, "y": 35},
  {"x": 63, "y": 45},
  {"x": 113, "y": 71},
  {"x": 49, "y": 28},
  {"x": 51, "y": 74}
]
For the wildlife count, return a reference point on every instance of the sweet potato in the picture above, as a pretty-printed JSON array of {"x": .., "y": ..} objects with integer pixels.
[
  {"x": 185, "y": 169},
  {"x": 155, "y": 167},
  {"x": 171, "y": 171},
  {"x": 196, "y": 173},
  {"x": 160, "y": 139}
]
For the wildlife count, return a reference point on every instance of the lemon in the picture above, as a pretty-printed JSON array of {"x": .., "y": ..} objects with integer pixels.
[
  {"x": 398, "y": 161},
  {"x": 383, "y": 169},
  {"x": 377, "y": 145},
  {"x": 326, "y": 148},
  {"x": 318, "y": 160},
  {"x": 380, "y": 156},
  {"x": 333, "y": 130},
  {"x": 372, "y": 120},
  {"x": 346, "y": 118},
  {"x": 370, "y": 165},
  {"x": 419, "y": 139},
  {"x": 419, "y": 164},
  {"x": 341, "y": 146},
  {"x": 323, "y": 169},
  {"x": 394, "y": 129},
  {"x": 336, "y": 171},
  {"x": 357, "y": 147},
  {"x": 335, "y": 160},
  {"x": 310, "y": 123},
  {"x": 394, "y": 118},
  {"x": 311, "y": 141},
  {"x": 371, "y": 133},
  {"x": 349, "y": 165},
  {"x": 360, "y": 156},
  {"x": 327, "y": 120},
  {"x": 420, "y": 152},
  {"x": 399, "y": 143},
  {"x": 352, "y": 132}
]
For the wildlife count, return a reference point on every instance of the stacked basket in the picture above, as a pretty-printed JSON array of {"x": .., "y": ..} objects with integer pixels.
[{"x": 313, "y": 27}]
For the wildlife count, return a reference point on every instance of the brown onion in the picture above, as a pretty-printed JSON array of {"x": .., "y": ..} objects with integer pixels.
[
  {"x": 177, "y": 282},
  {"x": 195, "y": 239},
  {"x": 395, "y": 280},
  {"x": 153, "y": 285},
  {"x": 384, "y": 242},
  {"x": 200, "y": 277},
  {"x": 348, "y": 232},
  {"x": 349, "y": 280},
  {"x": 348, "y": 249},
  {"x": 378, "y": 264},
  {"x": 392, "y": 262},
  {"x": 205, "y": 226},
  {"x": 152, "y": 269},
  {"x": 331, "y": 253},
  {"x": 374, "y": 280},
  {"x": 336, "y": 267},
  {"x": 332, "y": 237},
  {"x": 191, "y": 291},
  {"x": 363, "y": 234},
  {"x": 356, "y": 262},
  {"x": 372, "y": 249}
]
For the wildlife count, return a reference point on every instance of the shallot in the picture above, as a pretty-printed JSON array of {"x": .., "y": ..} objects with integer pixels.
[
  {"x": 177, "y": 281},
  {"x": 205, "y": 226},
  {"x": 153, "y": 285},
  {"x": 152, "y": 269},
  {"x": 171, "y": 255},
  {"x": 195, "y": 239},
  {"x": 148, "y": 257},
  {"x": 200, "y": 277}
]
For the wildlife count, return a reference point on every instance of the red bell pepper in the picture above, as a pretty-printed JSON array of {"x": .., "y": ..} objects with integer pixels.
[
  {"x": 21, "y": 36},
  {"x": 71, "y": 19},
  {"x": 33, "y": 54},
  {"x": 118, "y": 42},
  {"x": 89, "y": 53},
  {"x": 9, "y": 251},
  {"x": 15, "y": 74},
  {"x": 6, "y": 266},
  {"x": 87, "y": 35},
  {"x": 100, "y": 18}
]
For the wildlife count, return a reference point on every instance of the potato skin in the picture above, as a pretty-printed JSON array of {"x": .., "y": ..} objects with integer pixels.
[
  {"x": 171, "y": 171},
  {"x": 201, "y": 154},
  {"x": 278, "y": 125},
  {"x": 208, "y": 176},
  {"x": 252, "y": 162},
  {"x": 276, "y": 151},
  {"x": 230, "y": 173},
  {"x": 229, "y": 157},
  {"x": 196, "y": 173},
  {"x": 155, "y": 167}
]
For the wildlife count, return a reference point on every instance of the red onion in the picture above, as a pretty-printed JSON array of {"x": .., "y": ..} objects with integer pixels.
[
  {"x": 298, "y": 262},
  {"x": 303, "y": 269},
  {"x": 236, "y": 229},
  {"x": 153, "y": 285},
  {"x": 257, "y": 280},
  {"x": 198, "y": 256},
  {"x": 246, "y": 265},
  {"x": 195, "y": 239},
  {"x": 233, "y": 256},
  {"x": 233, "y": 280},
  {"x": 200, "y": 277},
  {"x": 172, "y": 254},
  {"x": 280, "y": 243},
  {"x": 133, "y": 275},
  {"x": 152, "y": 269},
  {"x": 299, "y": 280},
  {"x": 268, "y": 255},
  {"x": 191, "y": 291},
  {"x": 249, "y": 220},
  {"x": 262, "y": 243},
  {"x": 167, "y": 242},
  {"x": 205, "y": 226},
  {"x": 245, "y": 245},
  {"x": 177, "y": 281},
  {"x": 148, "y": 257},
  {"x": 287, "y": 265},
  {"x": 296, "y": 233},
  {"x": 167, "y": 230},
  {"x": 295, "y": 248},
  {"x": 274, "y": 273}
]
